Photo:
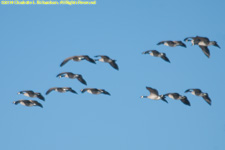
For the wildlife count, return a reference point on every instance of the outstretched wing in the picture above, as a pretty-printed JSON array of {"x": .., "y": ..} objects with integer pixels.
[
  {"x": 40, "y": 96},
  {"x": 89, "y": 59},
  {"x": 181, "y": 44},
  {"x": 105, "y": 92},
  {"x": 81, "y": 79},
  {"x": 51, "y": 89},
  {"x": 71, "y": 90},
  {"x": 188, "y": 39},
  {"x": 185, "y": 101},
  {"x": 35, "y": 103},
  {"x": 152, "y": 91},
  {"x": 165, "y": 58},
  {"x": 207, "y": 99},
  {"x": 114, "y": 65},
  {"x": 205, "y": 50},
  {"x": 66, "y": 60},
  {"x": 163, "y": 99}
]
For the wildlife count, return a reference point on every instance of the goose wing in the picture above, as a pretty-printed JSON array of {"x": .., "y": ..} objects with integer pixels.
[
  {"x": 114, "y": 65},
  {"x": 66, "y": 60},
  {"x": 205, "y": 50},
  {"x": 89, "y": 59},
  {"x": 152, "y": 91},
  {"x": 185, "y": 101},
  {"x": 40, "y": 96},
  {"x": 35, "y": 103},
  {"x": 181, "y": 44},
  {"x": 49, "y": 90},
  {"x": 81, "y": 79},
  {"x": 165, "y": 58},
  {"x": 207, "y": 99},
  {"x": 71, "y": 90},
  {"x": 105, "y": 92}
]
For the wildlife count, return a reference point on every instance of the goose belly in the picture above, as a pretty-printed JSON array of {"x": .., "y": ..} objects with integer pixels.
[
  {"x": 155, "y": 97},
  {"x": 201, "y": 43}
]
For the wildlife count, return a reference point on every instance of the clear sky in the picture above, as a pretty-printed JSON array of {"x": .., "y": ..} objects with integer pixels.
[{"x": 34, "y": 40}]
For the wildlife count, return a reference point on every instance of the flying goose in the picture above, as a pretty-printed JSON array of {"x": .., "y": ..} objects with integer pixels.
[
  {"x": 154, "y": 95},
  {"x": 61, "y": 90},
  {"x": 28, "y": 103},
  {"x": 198, "y": 92},
  {"x": 32, "y": 94},
  {"x": 177, "y": 96},
  {"x": 203, "y": 43},
  {"x": 107, "y": 60},
  {"x": 95, "y": 91},
  {"x": 172, "y": 43},
  {"x": 77, "y": 58},
  {"x": 157, "y": 54},
  {"x": 72, "y": 76}
]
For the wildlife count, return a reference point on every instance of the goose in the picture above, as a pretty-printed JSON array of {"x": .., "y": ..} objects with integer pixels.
[
  {"x": 198, "y": 92},
  {"x": 28, "y": 103},
  {"x": 95, "y": 91},
  {"x": 172, "y": 43},
  {"x": 203, "y": 43},
  {"x": 72, "y": 76},
  {"x": 77, "y": 58},
  {"x": 177, "y": 96},
  {"x": 61, "y": 90},
  {"x": 32, "y": 94},
  {"x": 154, "y": 95},
  {"x": 107, "y": 60},
  {"x": 157, "y": 54}
]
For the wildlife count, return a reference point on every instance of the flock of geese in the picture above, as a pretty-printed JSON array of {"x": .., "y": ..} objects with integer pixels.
[
  {"x": 202, "y": 42},
  {"x": 79, "y": 77}
]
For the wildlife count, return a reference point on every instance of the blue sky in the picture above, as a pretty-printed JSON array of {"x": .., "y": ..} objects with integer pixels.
[{"x": 36, "y": 39}]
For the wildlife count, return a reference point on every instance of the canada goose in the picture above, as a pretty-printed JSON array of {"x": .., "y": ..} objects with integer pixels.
[
  {"x": 95, "y": 91},
  {"x": 177, "y": 96},
  {"x": 61, "y": 90},
  {"x": 203, "y": 43},
  {"x": 28, "y": 103},
  {"x": 32, "y": 94},
  {"x": 198, "y": 92},
  {"x": 172, "y": 43},
  {"x": 157, "y": 54},
  {"x": 72, "y": 76},
  {"x": 107, "y": 60},
  {"x": 77, "y": 58},
  {"x": 154, "y": 95}
]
